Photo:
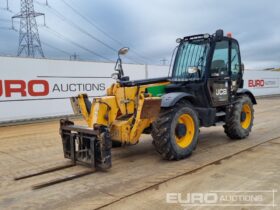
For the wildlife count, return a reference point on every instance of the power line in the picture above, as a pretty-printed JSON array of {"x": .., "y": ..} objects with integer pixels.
[
  {"x": 9, "y": 21},
  {"x": 7, "y": 8},
  {"x": 64, "y": 38},
  {"x": 55, "y": 48},
  {"x": 46, "y": 44},
  {"x": 100, "y": 29},
  {"x": 65, "y": 19},
  {"x": 5, "y": 28},
  {"x": 6, "y": 20},
  {"x": 72, "y": 24},
  {"x": 163, "y": 61},
  {"x": 8, "y": 28},
  {"x": 7, "y": 5},
  {"x": 74, "y": 57},
  {"x": 91, "y": 23}
]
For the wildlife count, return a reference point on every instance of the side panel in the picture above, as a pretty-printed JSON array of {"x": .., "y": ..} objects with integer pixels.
[{"x": 170, "y": 99}]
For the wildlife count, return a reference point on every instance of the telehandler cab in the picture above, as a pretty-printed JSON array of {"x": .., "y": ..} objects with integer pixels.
[{"x": 205, "y": 89}]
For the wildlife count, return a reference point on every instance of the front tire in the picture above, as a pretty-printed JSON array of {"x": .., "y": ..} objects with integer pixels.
[
  {"x": 240, "y": 122},
  {"x": 175, "y": 132}
]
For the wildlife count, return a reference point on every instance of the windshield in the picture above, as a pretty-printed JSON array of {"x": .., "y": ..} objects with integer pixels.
[{"x": 190, "y": 54}]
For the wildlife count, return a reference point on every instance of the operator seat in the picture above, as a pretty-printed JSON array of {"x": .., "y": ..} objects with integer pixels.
[{"x": 218, "y": 67}]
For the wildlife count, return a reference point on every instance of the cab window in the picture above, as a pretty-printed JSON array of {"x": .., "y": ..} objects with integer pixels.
[
  {"x": 191, "y": 54},
  {"x": 235, "y": 60},
  {"x": 219, "y": 64}
]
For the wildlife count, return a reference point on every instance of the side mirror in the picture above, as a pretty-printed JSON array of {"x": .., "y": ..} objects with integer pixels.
[
  {"x": 123, "y": 51},
  {"x": 192, "y": 70},
  {"x": 115, "y": 76},
  {"x": 118, "y": 66}
]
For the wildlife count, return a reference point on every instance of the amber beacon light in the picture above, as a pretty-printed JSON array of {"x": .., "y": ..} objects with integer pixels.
[{"x": 229, "y": 35}]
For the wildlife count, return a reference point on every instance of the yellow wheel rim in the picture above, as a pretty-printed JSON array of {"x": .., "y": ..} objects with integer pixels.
[
  {"x": 186, "y": 140},
  {"x": 248, "y": 116}
]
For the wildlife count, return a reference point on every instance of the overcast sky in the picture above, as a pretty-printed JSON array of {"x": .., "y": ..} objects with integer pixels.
[{"x": 148, "y": 27}]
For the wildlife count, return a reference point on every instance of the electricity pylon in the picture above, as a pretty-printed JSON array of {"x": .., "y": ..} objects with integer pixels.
[{"x": 29, "y": 40}]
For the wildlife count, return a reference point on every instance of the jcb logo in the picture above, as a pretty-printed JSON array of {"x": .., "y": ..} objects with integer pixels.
[{"x": 221, "y": 92}]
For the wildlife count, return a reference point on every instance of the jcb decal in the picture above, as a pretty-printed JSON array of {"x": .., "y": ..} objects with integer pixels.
[{"x": 221, "y": 92}]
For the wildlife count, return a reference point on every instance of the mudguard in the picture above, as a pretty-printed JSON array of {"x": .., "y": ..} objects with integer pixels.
[
  {"x": 170, "y": 99},
  {"x": 241, "y": 91}
]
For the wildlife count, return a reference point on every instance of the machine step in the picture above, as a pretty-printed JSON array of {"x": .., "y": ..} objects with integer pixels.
[
  {"x": 220, "y": 123},
  {"x": 220, "y": 114}
]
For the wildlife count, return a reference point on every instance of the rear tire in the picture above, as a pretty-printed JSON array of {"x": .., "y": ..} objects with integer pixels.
[
  {"x": 175, "y": 132},
  {"x": 240, "y": 122}
]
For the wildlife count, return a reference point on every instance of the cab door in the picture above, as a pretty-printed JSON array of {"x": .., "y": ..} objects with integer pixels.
[
  {"x": 235, "y": 67},
  {"x": 219, "y": 74}
]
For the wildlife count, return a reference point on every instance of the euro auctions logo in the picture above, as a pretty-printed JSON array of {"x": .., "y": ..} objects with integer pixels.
[
  {"x": 224, "y": 198},
  {"x": 263, "y": 83},
  {"x": 53, "y": 88},
  {"x": 24, "y": 88},
  {"x": 255, "y": 83}
]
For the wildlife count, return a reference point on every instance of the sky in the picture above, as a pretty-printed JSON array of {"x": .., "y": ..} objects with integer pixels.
[{"x": 96, "y": 29}]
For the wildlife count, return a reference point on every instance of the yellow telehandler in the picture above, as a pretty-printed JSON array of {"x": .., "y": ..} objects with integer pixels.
[{"x": 205, "y": 89}]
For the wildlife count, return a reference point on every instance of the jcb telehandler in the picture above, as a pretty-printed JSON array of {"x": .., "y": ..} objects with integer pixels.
[{"x": 205, "y": 89}]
